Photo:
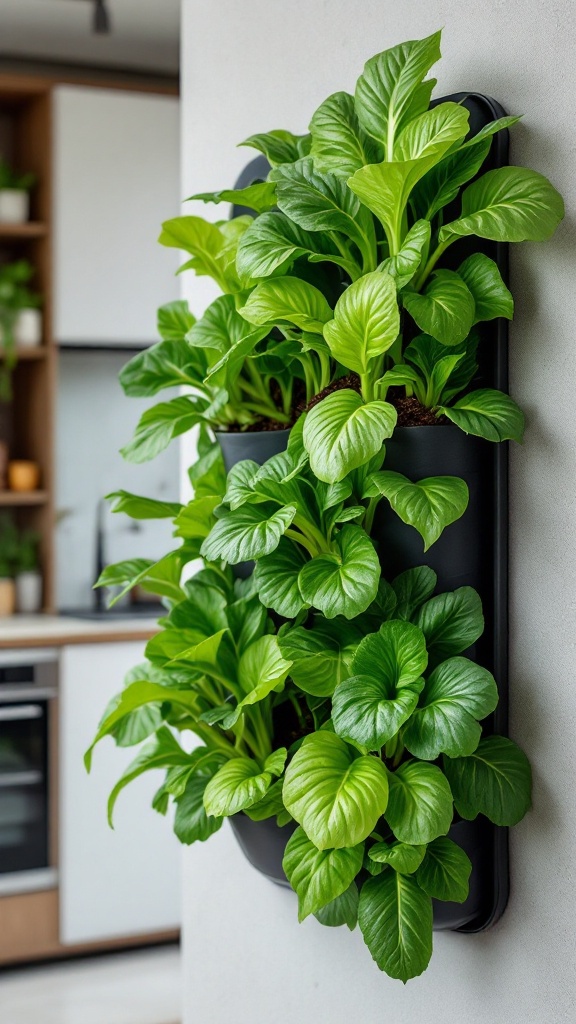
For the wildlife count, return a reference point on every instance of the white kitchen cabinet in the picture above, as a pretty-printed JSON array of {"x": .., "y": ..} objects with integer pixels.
[
  {"x": 113, "y": 883},
  {"x": 116, "y": 178}
]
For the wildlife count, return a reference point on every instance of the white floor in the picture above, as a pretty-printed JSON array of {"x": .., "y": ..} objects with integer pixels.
[{"x": 123, "y": 988}]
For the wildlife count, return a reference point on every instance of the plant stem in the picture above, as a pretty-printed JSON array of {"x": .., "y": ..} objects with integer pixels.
[{"x": 432, "y": 261}]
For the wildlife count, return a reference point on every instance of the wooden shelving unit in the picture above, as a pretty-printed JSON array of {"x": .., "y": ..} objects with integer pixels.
[{"x": 26, "y": 142}]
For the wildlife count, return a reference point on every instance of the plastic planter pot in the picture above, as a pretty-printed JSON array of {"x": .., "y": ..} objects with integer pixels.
[{"x": 258, "y": 445}]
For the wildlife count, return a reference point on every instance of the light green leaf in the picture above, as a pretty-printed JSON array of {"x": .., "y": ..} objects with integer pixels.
[
  {"x": 240, "y": 783},
  {"x": 259, "y": 197},
  {"x": 401, "y": 856},
  {"x": 432, "y": 133},
  {"x": 172, "y": 647},
  {"x": 319, "y": 876},
  {"x": 138, "y": 507},
  {"x": 457, "y": 695},
  {"x": 168, "y": 364},
  {"x": 344, "y": 581},
  {"x": 270, "y": 805},
  {"x": 162, "y": 577},
  {"x": 342, "y": 910},
  {"x": 491, "y": 296},
  {"x": 279, "y": 146},
  {"x": 276, "y": 576},
  {"x": 249, "y": 532},
  {"x": 162, "y": 751},
  {"x": 191, "y": 823},
  {"x": 261, "y": 669},
  {"x": 404, "y": 265},
  {"x": 366, "y": 321},
  {"x": 161, "y": 424},
  {"x": 420, "y": 805},
  {"x": 335, "y": 795},
  {"x": 429, "y": 505},
  {"x": 395, "y": 918},
  {"x": 441, "y": 184},
  {"x": 445, "y": 309},
  {"x": 369, "y": 707},
  {"x": 273, "y": 242},
  {"x": 509, "y": 204},
  {"x": 489, "y": 414},
  {"x": 321, "y": 656},
  {"x": 343, "y": 432},
  {"x": 445, "y": 872},
  {"x": 174, "y": 320},
  {"x": 390, "y": 91},
  {"x": 412, "y": 588},
  {"x": 495, "y": 781},
  {"x": 207, "y": 245},
  {"x": 339, "y": 144},
  {"x": 196, "y": 519},
  {"x": 287, "y": 300},
  {"x": 451, "y": 623}
]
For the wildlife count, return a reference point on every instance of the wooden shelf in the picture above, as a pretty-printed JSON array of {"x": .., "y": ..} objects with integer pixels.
[
  {"x": 32, "y": 229},
  {"x": 19, "y": 498},
  {"x": 27, "y": 354}
]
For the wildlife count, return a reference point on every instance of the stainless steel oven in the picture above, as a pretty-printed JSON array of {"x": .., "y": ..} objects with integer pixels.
[{"x": 28, "y": 686}]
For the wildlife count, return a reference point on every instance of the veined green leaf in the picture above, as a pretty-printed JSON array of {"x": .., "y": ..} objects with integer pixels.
[
  {"x": 489, "y": 414},
  {"x": 339, "y": 144},
  {"x": 207, "y": 245},
  {"x": 138, "y": 507},
  {"x": 491, "y": 296},
  {"x": 401, "y": 856},
  {"x": 343, "y": 432},
  {"x": 445, "y": 309},
  {"x": 287, "y": 300},
  {"x": 420, "y": 805},
  {"x": 395, "y": 918},
  {"x": 276, "y": 576},
  {"x": 342, "y": 910},
  {"x": 321, "y": 656},
  {"x": 249, "y": 532},
  {"x": 279, "y": 146},
  {"x": 240, "y": 783},
  {"x": 319, "y": 876},
  {"x": 509, "y": 204},
  {"x": 412, "y": 588},
  {"x": 161, "y": 424},
  {"x": 457, "y": 695},
  {"x": 273, "y": 242},
  {"x": 259, "y": 197},
  {"x": 162, "y": 751},
  {"x": 366, "y": 321},
  {"x": 165, "y": 365},
  {"x": 335, "y": 795},
  {"x": 174, "y": 320},
  {"x": 262, "y": 668},
  {"x": 495, "y": 780},
  {"x": 428, "y": 505},
  {"x": 445, "y": 872},
  {"x": 404, "y": 265},
  {"x": 450, "y": 622},
  {"x": 191, "y": 823},
  {"x": 162, "y": 577},
  {"x": 195, "y": 520},
  {"x": 344, "y": 581}
]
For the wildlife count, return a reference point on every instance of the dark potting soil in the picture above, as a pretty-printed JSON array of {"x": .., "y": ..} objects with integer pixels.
[
  {"x": 266, "y": 424},
  {"x": 411, "y": 413}
]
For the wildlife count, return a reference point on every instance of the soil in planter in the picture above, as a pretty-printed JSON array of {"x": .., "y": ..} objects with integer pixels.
[
  {"x": 266, "y": 424},
  {"x": 411, "y": 413}
]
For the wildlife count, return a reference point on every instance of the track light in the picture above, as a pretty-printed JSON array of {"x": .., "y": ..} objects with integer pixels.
[{"x": 101, "y": 22}]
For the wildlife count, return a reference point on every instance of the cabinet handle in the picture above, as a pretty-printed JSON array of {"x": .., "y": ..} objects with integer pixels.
[{"x": 20, "y": 712}]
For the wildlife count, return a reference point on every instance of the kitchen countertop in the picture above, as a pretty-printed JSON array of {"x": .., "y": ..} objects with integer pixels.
[{"x": 58, "y": 630}]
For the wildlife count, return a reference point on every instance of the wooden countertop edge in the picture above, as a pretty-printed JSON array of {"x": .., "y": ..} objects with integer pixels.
[{"x": 65, "y": 639}]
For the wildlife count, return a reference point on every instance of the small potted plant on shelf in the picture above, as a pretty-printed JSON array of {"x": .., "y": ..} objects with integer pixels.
[
  {"x": 341, "y": 717},
  {"x": 20, "y": 318},
  {"x": 14, "y": 194},
  {"x": 8, "y": 555},
  {"x": 27, "y": 576}
]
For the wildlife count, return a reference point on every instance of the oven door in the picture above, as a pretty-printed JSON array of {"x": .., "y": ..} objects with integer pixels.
[{"x": 23, "y": 786}]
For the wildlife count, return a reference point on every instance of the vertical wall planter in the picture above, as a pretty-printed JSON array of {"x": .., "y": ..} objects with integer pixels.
[{"x": 257, "y": 445}]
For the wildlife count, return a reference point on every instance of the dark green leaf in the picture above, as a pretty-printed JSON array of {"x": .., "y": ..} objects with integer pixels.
[
  {"x": 240, "y": 783},
  {"x": 161, "y": 424},
  {"x": 342, "y": 910},
  {"x": 319, "y": 876},
  {"x": 491, "y": 296},
  {"x": 342, "y": 432},
  {"x": 142, "y": 508},
  {"x": 495, "y": 780},
  {"x": 487, "y": 413},
  {"x": 395, "y": 918},
  {"x": 412, "y": 588},
  {"x": 451, "y": 623},
  {"x": 249, "y": 532},
  {"x": 420, "y": 805},
  {"x": 345, "y": 581},
  {"x": 277, "y": 578},
  {"x": 445, "y": 872},
  {"x": 401, "y": 856},
  {"x": 191, "y": 823},
  {"x": 428, "y": 505},
  {"x": 445, "y": 309},
  {"x": 339, "y": 144}
]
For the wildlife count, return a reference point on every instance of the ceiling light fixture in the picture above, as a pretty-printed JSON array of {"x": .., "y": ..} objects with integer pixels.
[{"x": 101, "y": 21}]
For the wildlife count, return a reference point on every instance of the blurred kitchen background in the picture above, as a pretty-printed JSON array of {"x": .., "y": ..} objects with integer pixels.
[{"x": 89, "y": 168}]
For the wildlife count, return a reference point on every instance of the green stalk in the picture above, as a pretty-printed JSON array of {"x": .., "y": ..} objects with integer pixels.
[
  {"x": 310, "y": 531},
  {"x": 432, "y": 261},
  {"x": 299, "y": 538}
]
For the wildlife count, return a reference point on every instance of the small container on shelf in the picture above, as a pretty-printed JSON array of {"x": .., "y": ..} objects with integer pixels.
[
  {"x": 28, "y": 328},
  {"x": 23, "y": 475},
  {"x": 14, "y": 195}
]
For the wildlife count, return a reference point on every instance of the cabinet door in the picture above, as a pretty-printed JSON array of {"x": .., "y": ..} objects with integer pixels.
[
  {"x": 116, "y": 178},
  {"x": 117, "y": 882}
]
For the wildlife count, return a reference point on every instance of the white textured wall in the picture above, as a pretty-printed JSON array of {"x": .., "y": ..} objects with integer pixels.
[{"x": 255, "y": 66}]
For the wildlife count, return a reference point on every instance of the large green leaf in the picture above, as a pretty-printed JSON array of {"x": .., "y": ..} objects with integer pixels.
[
  {"x": 319, "y": 876},
  {"x": 401, "y": 856},
  {"x": 342, "y": 910},
  {"x": 445, "y": 309},
  {"x": 174, "y": 320},
  {"x": 334, "y": 794},
  {"x": 287, "y": 300},
  {"x": 457, "y": 695},
  {"x": 428, "y": 505},
  {"x": 249, "y": 532},
  {"x": 412, "y": 587},
  {"x": 491, "y": 296},
  {"x": 432, "y": 133},
  {"x": 207, "y": 244},
  {"x": 273, "y": 242},
  {"x": 260, "y": 196},
  {"x": 343, "y": 432},
  {"x": 420, "y": 805},
  {"x": 161, "y": 424},
  {"x": 487, "y": 413},
  {"x": 279, "y": 146},
  {"x": 321, "y": 656},
  {"x": 370, "y": 706},
  {"x": 240, "y": 783},
  {"x": 395, "y": 918},
  {"x": 406, "y": 262},
  {"x": 390, "y": 91},
  {"x": 345, "y": 580},
  {"x": 339, "y": 144},
  {"x": 450, "y": 622},
  {"x": 162, "y": 751},
  {"x": 442, "y": 182},
  {"x": 191, "y": 823},
  {"x": 276, "y": 576},
  {"x": 445, "y": 871},
  {"x": 262, "y": 668},
  {"x": 196, "y": 519},
  {"x": 162, "y": 577},
  {"x": 224, "y": 332},
  {"x": 366, "y": 321},
  {"x": 165, "y": 365},
  {"x": 138, "y": 507},
  {"x": 509, "y": 204},
  {"x": 495, "y": 780}
]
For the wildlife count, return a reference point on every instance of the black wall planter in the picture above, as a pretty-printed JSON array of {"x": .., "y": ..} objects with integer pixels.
[
  {"x": 258, "y": 445},
  {"x": 471, "y": 552}
]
